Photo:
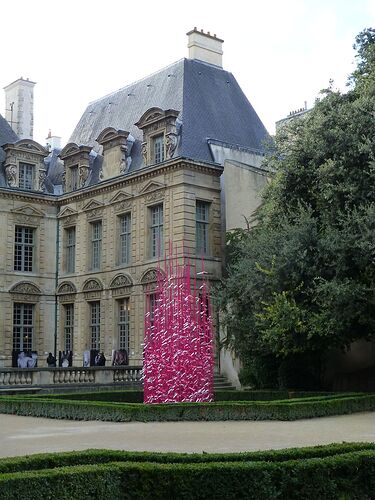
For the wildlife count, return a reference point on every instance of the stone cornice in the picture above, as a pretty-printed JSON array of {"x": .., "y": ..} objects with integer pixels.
[
  {"x": 139, "y": 176},
  {"x": 115, "y": 183},
  {"x": 32, "y": 197}
]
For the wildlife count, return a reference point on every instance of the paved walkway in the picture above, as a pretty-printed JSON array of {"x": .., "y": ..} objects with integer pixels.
[{"x": 26, "y": 435}]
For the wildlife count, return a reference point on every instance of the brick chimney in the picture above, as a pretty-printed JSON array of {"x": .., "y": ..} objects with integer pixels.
[{"x": 205, "y": 47}]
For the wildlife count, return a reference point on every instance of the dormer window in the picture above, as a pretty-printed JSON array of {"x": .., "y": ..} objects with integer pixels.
[
  {"x": 26, "y": 176},
  {"x": 29, "y": 174},
  {"x": 160, "y": 137},
  {"x": 76, "y": 166},
  {"x": 158, "y": 142}
]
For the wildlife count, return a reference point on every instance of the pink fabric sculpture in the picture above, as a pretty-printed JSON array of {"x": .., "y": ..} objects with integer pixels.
[{"x": 178, "y": 349}]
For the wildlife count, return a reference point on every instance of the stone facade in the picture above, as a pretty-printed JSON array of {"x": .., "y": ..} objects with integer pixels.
[
  {"x": 35, "y": 287},
  {"x": 176, "y": 185},
  {"x": 84, "y": 229}
]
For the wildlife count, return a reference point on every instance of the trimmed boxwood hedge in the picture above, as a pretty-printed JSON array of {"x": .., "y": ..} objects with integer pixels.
[
  {"x": 334, "y": 471},
  {"x": 136, "y": 396},
  {"x": 291, "y": 409}
]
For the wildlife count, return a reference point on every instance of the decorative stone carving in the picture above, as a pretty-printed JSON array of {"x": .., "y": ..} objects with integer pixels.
[
  {"x": 96, "y": 213},
  {"x": 120, "y": 197},
  {"x": 144, "y": 152},
  {"x": 25, "y": 288},
  {"x": 124, "y": 163},
  {"x": 84, "y": 171},
  {"x": 121, "y": 280},
  {"x": 124, "y": 206},
  {"x": 151, "y": 276},
  {"x": 170, "y": 144},
  {"x": 93, "y": 209},
  {"x": 67, "y": 212},
  {"x": 11, "y": 175},
  {"x": 42, "y": 179},
  {"x": 155, "y": 196},
  {"x": 63, "y": 181},
  {"x": 27, "y": 215},
  {"x": 151, "y": 186},
  {"x": 92, "y": 285},
  {"x": 66, "y": 287}
]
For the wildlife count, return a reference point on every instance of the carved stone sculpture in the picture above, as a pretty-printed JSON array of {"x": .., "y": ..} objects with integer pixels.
[
  {"x": 170, "y": 144},
  {"x": 63, "y": 181},
  {"x": 11, "y": 175},
  {"x": 144, "y": 152},
  {"x": 83, "y": 174},
  {"x": 124, "y": 163},
  {"x": 41, "y": 179}
]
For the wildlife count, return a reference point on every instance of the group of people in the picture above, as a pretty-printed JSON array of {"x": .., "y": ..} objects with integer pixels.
[{"x": 120, "y": 358}]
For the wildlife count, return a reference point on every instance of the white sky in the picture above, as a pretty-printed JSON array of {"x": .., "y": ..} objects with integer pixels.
[{"x": 282, "y": 52}]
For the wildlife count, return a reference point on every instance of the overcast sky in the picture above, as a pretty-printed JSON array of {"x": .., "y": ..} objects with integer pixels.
[{"x": 282, "y": 52}]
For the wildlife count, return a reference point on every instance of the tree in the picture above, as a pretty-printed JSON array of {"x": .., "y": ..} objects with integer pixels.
[{"x": 302, "y": 281}]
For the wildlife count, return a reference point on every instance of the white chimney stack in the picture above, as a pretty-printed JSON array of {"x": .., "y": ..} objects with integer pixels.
[
  {"x": 53, "y": 141},
  {"x": 19, "y": 107},
  {"x": 205, "y": 47}
]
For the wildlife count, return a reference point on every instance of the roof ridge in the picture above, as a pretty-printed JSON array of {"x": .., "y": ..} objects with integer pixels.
[{"x": 136, "y": 82}]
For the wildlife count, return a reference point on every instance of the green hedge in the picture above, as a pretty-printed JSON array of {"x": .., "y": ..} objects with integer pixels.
[
  {"x": 87, "y": 457},
  {"x": 136, "y": 396},
  {"x": 336, "y": 471},
  {"x": 291, "y": 409}
]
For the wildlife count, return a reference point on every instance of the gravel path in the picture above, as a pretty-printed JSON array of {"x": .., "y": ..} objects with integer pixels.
[{"x": 25, "y": 435}]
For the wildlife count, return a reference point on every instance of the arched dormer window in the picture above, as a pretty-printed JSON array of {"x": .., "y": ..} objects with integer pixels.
[{"x": 159, "y": 135}]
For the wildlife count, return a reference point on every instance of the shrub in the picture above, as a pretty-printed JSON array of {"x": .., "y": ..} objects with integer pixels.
[
  {"x": 291, "y": 409},
  {"x": 323, "y": 472}
]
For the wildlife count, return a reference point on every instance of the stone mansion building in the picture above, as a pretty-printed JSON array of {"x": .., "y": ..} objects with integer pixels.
[{"x": 174, "y": 157}]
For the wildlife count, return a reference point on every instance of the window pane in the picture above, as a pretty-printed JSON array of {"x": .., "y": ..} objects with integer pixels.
[
  {"x": 68, "y": 327},
  {"x": 201, "y": 227},
  {"x": 70, "y": 249},
  {"x": 156, "y": 231},
  {"x": 95, "y": 324},
  {"x": 23, "y": 326},
  {"x": 96, "y": 244},
  {"x": 23, "y": 248},
  {"x": 125, "y": 238},
  {"x": 26, "y": 173},
  {"x": 159, "y": 149},
  {"x": 123, "y": 324}
]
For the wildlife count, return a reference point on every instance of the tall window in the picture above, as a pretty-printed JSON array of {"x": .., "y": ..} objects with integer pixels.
[
  {"x": 125, "y": 238},
  {"x": 95, "y": 325},
  {"x": 74, "y": 177},
  {"x": 26, "y": 176},
  {"x": 201, "y": 227},
  {"x": 123, "y": 324},
  {"x": 156, "y": 230},
  {"x": 23, "y": 248},
  {"x": 70, "y": 235},
  {"x": 158, "y": 143},
  {"x": 96, "y": 244},
  {"x": 68, "y": 326},
  {"x": 23, "y": 326}
]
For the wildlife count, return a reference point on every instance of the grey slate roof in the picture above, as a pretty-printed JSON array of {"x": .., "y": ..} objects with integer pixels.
[{"x": 210, "y": 101}]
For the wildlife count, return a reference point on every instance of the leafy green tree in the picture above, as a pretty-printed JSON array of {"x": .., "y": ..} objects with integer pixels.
[{"x": 303, "y": 280}]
